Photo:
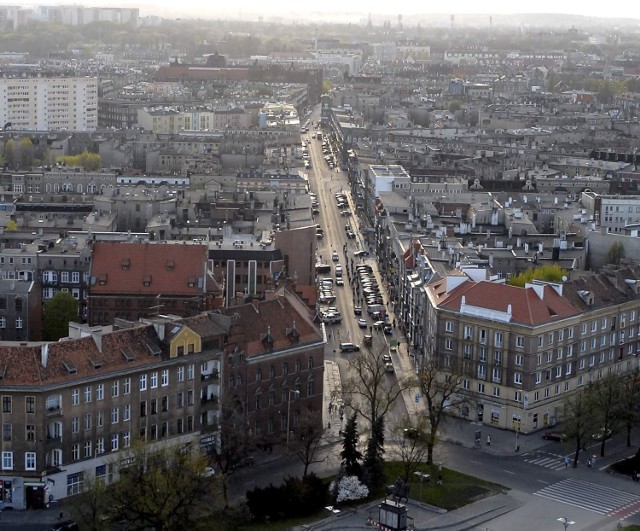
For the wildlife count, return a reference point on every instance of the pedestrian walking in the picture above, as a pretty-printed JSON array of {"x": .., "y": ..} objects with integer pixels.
[
  {"x": 488, "y": 440},
  {"x": 566, "y": 461}
]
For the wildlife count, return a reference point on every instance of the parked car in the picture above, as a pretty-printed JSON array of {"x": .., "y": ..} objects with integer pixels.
[
  {"x": 554, "y": 436},
  {"x": 357, "y": 310},
  {"x": 243, "y": 462}
]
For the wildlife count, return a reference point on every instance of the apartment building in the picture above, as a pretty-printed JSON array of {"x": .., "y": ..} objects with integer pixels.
[
  {"x": 276, "y": 366},
  {"x": 69, "y": 407},
  {"x": 135, "y": 280},
  {"x": 522, "y": 351},
  {"x": 49, "y": 103},
  {"x": 20, "y": 311}
]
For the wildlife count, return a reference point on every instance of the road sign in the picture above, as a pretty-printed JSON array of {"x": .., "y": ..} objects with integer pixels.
[{"x": 417, "y": 398}]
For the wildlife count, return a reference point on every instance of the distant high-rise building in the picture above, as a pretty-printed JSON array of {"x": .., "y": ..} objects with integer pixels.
[{"x": 49, "y": 104}]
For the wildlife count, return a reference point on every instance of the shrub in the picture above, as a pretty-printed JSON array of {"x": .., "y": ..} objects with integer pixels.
[{"x": 349, "y": 488}]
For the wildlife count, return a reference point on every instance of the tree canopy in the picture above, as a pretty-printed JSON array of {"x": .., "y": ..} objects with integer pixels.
[
  {"x": 549, "y": 273},
  {"x": 58, "y": 311}
]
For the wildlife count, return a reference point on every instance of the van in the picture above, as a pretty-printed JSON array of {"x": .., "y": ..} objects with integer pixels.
[
  {"x": 326, "y": 280},
  {"x": 375, "y": 308},
  {"x": 349, "y": 347}
]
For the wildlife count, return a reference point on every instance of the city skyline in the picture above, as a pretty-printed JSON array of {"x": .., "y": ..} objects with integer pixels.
[{"x": 359, "y": 8}]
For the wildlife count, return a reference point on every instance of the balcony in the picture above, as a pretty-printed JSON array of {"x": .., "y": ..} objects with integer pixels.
[
  {"x": 54, "y": 411},
  {"x": 213, "y": 375},
  {"x": 211, "y": 399},
  {"x": 53, "y": 442}
]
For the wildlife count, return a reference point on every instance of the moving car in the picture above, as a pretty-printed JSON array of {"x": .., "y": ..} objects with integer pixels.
[
  {"x": 357, "y": 310},
  {"x": 362, "y": 323},
  {"x": 334, "y": 256},
  {"x": 349, "y": 347},
  {"x": 361, "y": 252},
  {"x": 554, "y": 436},
  {"x": 601, "y": 433}
]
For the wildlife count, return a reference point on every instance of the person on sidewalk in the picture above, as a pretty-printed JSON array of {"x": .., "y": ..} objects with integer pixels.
[
  {"x": 566, "y": 461},
  {"x": 488, "y": 440}
]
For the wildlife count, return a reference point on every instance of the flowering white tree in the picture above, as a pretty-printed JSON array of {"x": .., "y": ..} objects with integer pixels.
[{"x": 350, "y": 488}]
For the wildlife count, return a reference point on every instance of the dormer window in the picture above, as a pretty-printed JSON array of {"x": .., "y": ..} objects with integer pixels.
[
  {"x": 126, "y": 263},
  {"x": 102, "y": 280},
  {"x": 191, "y": 282},
  {"x": 146, "y": 281},
  {"x": 171, "y": 265}
]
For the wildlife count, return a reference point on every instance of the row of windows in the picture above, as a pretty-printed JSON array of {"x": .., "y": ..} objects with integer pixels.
[
  {"x": 29, "y": 461},
  {"x": 551, "y": 337},
  {"x": 285, "y": 369}
]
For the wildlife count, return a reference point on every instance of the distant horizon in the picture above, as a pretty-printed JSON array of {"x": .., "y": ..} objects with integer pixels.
[{"x": 361, "y": 9}]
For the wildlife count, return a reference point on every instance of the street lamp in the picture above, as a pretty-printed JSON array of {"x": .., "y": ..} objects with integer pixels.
[
  {"x": 565, "y": 522},
  {"x": 296, "y": 393}
]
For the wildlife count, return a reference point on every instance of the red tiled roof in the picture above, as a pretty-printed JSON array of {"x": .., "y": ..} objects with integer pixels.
[
  {"x": 526, "y": 306},
  {"x": 23, "y": 365},
  {"x": 147, "y": 268},
  {"x": 250, "y": 323}
]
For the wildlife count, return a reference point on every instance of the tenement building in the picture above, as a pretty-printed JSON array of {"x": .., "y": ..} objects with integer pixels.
[
  {"x": 70, "y": 407},
  {"x": 520, "y": 351}
]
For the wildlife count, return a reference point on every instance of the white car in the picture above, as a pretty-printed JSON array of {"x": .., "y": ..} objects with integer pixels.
[{"x": 334, "y": 256}]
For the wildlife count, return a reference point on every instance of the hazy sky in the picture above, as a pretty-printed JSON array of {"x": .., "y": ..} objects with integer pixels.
[{"x": 628, "y": 9}]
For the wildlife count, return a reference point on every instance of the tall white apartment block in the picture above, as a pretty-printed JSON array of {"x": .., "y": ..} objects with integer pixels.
[{"x": 49, "y": 103}]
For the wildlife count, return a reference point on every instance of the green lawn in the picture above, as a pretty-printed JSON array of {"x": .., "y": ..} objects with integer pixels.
[{"x": 457, "y": 490}]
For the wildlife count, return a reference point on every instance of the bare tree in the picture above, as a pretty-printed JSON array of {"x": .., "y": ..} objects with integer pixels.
[
  {"x": 630, "y": 401},
  {"x": 90, "y": 506},
  {"x": 578, "y": 420},
  {"x": 306, "y": 442},
  {"x": 414, "y": 447},
  {"x": 233, "y": 442},
  {"x": 440, "y": 381},
  {"x": 370, "y": 391},
  {"x": 606, "y": 398}
]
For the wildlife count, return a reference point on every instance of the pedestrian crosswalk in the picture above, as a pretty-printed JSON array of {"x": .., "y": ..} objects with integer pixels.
[
  {"x": 589, "y": 496},
  {"x": 545, "y": 459}
]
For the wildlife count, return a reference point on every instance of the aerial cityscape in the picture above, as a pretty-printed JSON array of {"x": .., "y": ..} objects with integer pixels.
[{"x": 320, "y": 267}]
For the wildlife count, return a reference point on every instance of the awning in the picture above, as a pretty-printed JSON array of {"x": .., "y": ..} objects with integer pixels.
[{"x": 33, "y": 484}]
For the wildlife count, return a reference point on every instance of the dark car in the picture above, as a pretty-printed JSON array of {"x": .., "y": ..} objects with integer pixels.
[
  {"x": 599, "y": 434},
  {"x": 243, "y": 462},
  {"x": 554, "y": 436},
  {"x": 388, "y": 330},
  {"x": 361, "y": 252},
  {"x": 357, "y": 310}
]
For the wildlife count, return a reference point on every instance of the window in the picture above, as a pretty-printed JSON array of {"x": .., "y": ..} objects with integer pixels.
[
  {"x": 7, "y": 460},
  {"x": 285, "y": 369},
  {"x": 465, "y": 384},
  {"x": 519, "y": 359},
  {"x": 581, "y": 363},
  {"x": 449, "y": 326},
  {"x": 114, "y": 442},
  {"x": 164, "y": 381},
  {"x": 496, "y": 391},
  {"x": 560, "y": 335},
  {"x": 6, "y": 404},
  {"x": 583, "y": 328},
  {"x": 310, "y": 387},
  {"x": 559, "y": 353},
  {"x": 517, "y": 378},
  {"x": 100, "y": 446},
  {"x": 310, "y": 363},
  {"x": 165, "y": 403},
  {"x": 190, "y": 397},
  {"x": 75, "y": 424},
  {"x": 75, "y": 452},
  {"x": 180, "y": 399},
  {"x": 538, "y": 377},
  {"x": 498, "y": 338},
  {"x": 126, "y": 439},
  {"x": 483, "y": 335},
  {"x": 298, "y": 366},
  {"x": 30, "y": 432},
  {"x": 520, "y": 342},
  {"x": 569, "y": 351},
  {"x": 468, "y": 332},
  {"x": 115, "y": 388},
  {"x": 482, "y": 354},
  {"x": 143, "y": 382},
  {"x": 570, "y": 333},
  {"x": 88, "y": 449},
  {"x": 258, "y": 375},
  {"x": 517, "y": 396},
  {"x": 126, "y": 413},
  {"x": 30, "y": 404},
  {"x": 549, "y": 356},
  {"x": 604, "y": 323},
  {"x": 567, "y": 369},
  {"x": 6, "y": 432},
  {"x": 115, "y": 415},
  {"x": 482, "y": 372},
  {"x": 154, "y": 406},
  {"x": 272, "y": 370},
  {"x": 497, "y": 357},
  {"x": 496, "y": 375},
  {"x": 75, "y": 277},
  {"x": 190, "y": 371},
  {"x": 154, "y": 380},
  {"x": 30, "y": 460},
  {"x": 87, "y": 421},
  {"x": 540, "y": 341},
  {"x": 126, "y": 386},
  {"x": 181, "y": 374},
  {"x": 559, "y": 371},
  {"x": 481, "y": 388},
  {"x": 100, "y": 392},
  {"x": 448, "y": 344},
  {"x": 87, "y": 394},
  {"x": 594, "y": 326}
]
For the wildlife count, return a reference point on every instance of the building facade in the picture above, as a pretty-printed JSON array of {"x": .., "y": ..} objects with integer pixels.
[{"x": 49, "y": 103}]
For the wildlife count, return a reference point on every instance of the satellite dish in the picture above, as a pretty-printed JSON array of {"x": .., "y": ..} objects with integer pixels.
[{"x": 564, "y": 278}]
